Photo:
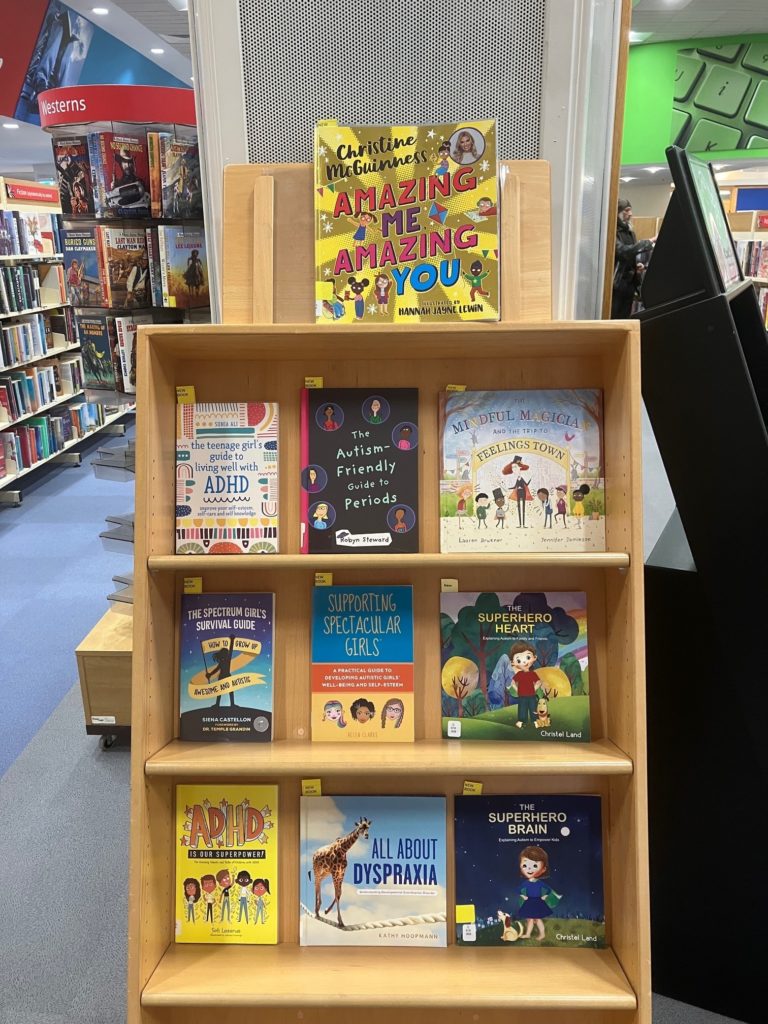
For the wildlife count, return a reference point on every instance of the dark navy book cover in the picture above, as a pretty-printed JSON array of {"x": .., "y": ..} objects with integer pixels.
[
  {"x": 529, "y": 871},
  {"x": 360, "y": 451}
]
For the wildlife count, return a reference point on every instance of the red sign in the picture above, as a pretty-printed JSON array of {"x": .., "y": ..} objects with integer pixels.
[
  {"x": 32, "y": 193},
  {"x": 141, "y": 104},
  {"x": 762, "y": 221}
]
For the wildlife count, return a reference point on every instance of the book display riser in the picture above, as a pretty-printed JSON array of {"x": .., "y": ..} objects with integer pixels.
[{"x": 170, "y": 983}]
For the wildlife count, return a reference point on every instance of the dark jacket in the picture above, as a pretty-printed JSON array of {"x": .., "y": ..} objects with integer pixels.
[{"x": 627, "y": 251}]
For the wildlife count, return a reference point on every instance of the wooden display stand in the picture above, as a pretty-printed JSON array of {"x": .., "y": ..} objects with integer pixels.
[
  {"x": 104, "y": 668},
  {"x": 171, "y": 984}
]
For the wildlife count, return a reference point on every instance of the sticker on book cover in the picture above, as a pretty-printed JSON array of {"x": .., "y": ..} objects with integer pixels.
[{"x": 454, "y": 729}]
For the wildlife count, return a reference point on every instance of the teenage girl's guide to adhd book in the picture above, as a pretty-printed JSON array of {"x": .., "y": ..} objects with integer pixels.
[
  {"x": 372, "y": 871},
  {"x": 226, "y": 667},
  {"x": 362, "y": 664},
  {"x": 529, "y": 871},
  {"x": 406, "y": 223},
  {"x": 514, "y": 666},
  {"x": 226, "y": 478},
  {"x": 226, "y": 864},
  {"x": 522, "y": 471}
]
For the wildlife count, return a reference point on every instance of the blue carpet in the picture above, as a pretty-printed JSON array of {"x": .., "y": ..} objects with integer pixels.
[{"x": 55, "y": 574}]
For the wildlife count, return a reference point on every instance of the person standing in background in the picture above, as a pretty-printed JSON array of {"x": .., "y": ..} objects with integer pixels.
[{"x": 628, "y": 255}]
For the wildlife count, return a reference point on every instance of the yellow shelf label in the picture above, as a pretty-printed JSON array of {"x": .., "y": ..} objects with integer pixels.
[
  {"x": 323, "y": 579},
  {"x": 449, "y": 586},
  {"x": 313, "y": 382},
  {"x": 465, "y": 913},
  {"x": 472, "y": 789},
  {"x": 455, "y": 387},
  {"x": 311, "y": 787},
  {"x": 193, "y": 584},
  {"x": 185, "y": 395}
]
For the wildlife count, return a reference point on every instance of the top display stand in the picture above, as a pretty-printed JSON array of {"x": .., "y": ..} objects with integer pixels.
[{"x": 130, "y": 104}]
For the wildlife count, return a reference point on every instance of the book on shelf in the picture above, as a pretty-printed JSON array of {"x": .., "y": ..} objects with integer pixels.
[
  {"x": 406, "y": 222},
  {"x": 123, "y": 171},
  {"x": 529, "y": 871},
  {"x": 373, "y": 871},
  {"x": 155, "y": 270},
  {"x": 153, "y": 160},
  {"x": 360, "y": 470},
  {"x": 226, "y": 667},
  {"x": 522, "y": 471},
  {"x": 124, "y": 266},
  {"x": 52, "y": 288},
  {"x": 183, "y": 266},
  {"x": 227, "y": 478},
  {"x": 514, "y": 666},
  {"x": 83, "y": 271},
  {"x": 362, "y": 664},
  {"x": 73, "y": 171},
  {"x": 227, "y": 888},
  {"x": 126, "y": 327},
  {"x": 181, "y": 191},
  {"x": 97, "y": 353}
]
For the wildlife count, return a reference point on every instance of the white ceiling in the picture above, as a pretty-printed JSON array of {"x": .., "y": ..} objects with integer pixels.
[
  {"x": 692, "y": 19},
  {"x": 160, "y": 17}
]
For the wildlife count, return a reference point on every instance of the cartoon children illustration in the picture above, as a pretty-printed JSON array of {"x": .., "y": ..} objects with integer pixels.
[
  {"x": 475, "y": 277},
  {"x": 223, "y": 659},
  {"x": 358, "y": 287},
  {"x": 562, "y": 508},
  {"x": 313, "y": 480},
  {"x": 393, "y": 711},
  {"x": 333, "y": 711},
  {"x": 501, "y": 507},
  {"x": 381, "y": 287},
  {"x": 260, "y": 886},
  {"x": 208, "y": 882},
  {"x": 191, "y": 896},
  {"x": 404, "y": 441},
  {"x": 224, "y": 878},
  {"x": 363, "y": 221},
  {"x": 546, "y": 505},
  {"x": 482, "y": 501},
  {"x": 333, "y": 309},
  {"x": 526, "y": 684},
  {"x": 462, "y": 494},
  {"x": 243, "y": 880},
  {"x": 443, "y": 151},
  {"x": 330, "y": 422},
  {"x": 537, "y": 899},
  {"x": 486, "y": 207},
  {"x": 519, "y": 488},
  {"x": 320, "y": 516},
  {"x": 362, "y": 710},
  {"x": 579, "y": 494}
]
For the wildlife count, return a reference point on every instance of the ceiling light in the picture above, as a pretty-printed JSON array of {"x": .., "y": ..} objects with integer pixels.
[
  {"x": 639, "y": 37},
  {"x": 100, "y": 10},
  {"x": 157, "y": 49},
  {"x": 10, "y": 126},
  {"x": 191, "y": 78},
  {"x": 719, "y": 167},
  {"x": 654, "y": 170},
  {"x": 627, "y": 179}
]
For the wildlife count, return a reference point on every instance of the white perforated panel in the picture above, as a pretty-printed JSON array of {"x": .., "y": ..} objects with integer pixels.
[{"x": 392, "y": 62}]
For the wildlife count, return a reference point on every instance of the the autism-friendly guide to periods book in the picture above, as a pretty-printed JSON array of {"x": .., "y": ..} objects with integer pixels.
[
  {"x": 515, "y": 666},
  {"x": 529, "y": 871},
  {"x": 360, "y": 470},
  {"x": 226, "y": 667},
  {"x": 226, "y": 863},
  {"x": 406, "y": 223},
  {"x": 362, "y": 664},
  {"x": 522, "y": 471},
  {"x": 372, "y": 871},
  {"x": 226, "y": 478}
]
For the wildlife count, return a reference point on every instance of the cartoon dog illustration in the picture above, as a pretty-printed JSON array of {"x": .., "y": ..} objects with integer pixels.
[
  {"x": 512, "y": 929},
  {"x": 542, "y": 713}
]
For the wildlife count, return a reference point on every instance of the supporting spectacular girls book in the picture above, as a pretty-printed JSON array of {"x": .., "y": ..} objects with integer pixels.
[
  {"x": 226, "y": 864},
  {"x": 529, "y": 871},
  {"x": 515, "y": 666},
  {"x": 372, "y": 871},
  {"x": 406, "y": 223},
  {"x": 362, "y": 664},
  {"x": 360, "y": 470},
  {"x": 226, "y": 478},
  {"x": 226, "y": 667},
  {"x": 522, "y": 471}
]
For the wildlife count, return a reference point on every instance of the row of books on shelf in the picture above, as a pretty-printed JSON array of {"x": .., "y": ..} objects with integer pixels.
[
  {"x": 513, "y": 666},
  {"x": 134, "y": 174},
  {"x": 24, "y": 391},
  {"x": 519, "y": 471},
  {"x": 137, "y": 267},
  {"x": 35, "y": 336},
  {"x": 372, "y": 869},
  {"x": 25, "y": 287},
  {"x": 29, "y": 233},
  {"x": 753, "y": 258},
  {"x": 23, "y": 446},
  {"x": 762, "y": 301}
]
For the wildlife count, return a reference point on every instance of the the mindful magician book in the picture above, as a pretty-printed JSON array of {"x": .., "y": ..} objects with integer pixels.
[
  {"x": 226, "y": 478},
  {"x": 529, "y": 871},
  {"x": 406, "y": 223},
  {"x": 226, "y": 864},
  {"x": 522, "y": 471},
  {"x": 360, "y": 470},
  {"x": 362, "y": 664},
  {"x": 372, "y": 871},
  {"x": 514, "y": 666},
  {"x": 226, "y": 667}
]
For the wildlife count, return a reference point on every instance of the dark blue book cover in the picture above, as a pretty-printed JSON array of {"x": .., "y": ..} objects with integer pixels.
[
  {"x": 529, "y": 871},
  {"x": 226, "y": 667},
  {"x": 82, "y": 269}
]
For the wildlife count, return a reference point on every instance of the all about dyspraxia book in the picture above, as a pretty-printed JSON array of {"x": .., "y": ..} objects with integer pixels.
[{"x": 406, "y": 223}]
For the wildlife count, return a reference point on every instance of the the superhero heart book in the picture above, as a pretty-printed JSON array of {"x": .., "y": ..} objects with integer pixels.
[
  {"x": 226, "y": 478},
  {"x": 406, "y": 223},
  {"x": 529, "y": 871},
  {"x": 360, "y": 470},
  {"x": 226, "y": 864},
  {"x": 372, "y": 871},
  {"x": 226, "y": 667},
  {"x": 522, "y": 471},
  {"x": 362, "y": 664},
  {"x": 514, "y": 666}
]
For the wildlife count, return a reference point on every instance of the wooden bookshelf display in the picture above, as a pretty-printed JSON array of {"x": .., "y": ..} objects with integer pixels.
[{"x": 170, "y": 984}]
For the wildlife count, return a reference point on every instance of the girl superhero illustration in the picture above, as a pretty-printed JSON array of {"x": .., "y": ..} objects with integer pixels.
[
  {"x": 537, "y": 899},
  {"x": 363, "y": 220},
  {"x": 260, "y": 886},
  {"x": 191, "y": 896}
]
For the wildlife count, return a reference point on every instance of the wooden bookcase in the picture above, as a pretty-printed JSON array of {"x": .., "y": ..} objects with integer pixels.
[{"x": 170, "y": 984}]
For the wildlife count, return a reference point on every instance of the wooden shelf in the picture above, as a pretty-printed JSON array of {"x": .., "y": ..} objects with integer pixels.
[
  {"x": 287, "y": 975},
  {"x": 43, "y": 408},
  {"x": 15, "y": 257},
  {"x": 437, "y": 757},
  {"x": 35, "y": 309},
  {"x": 50, "y": 354}
]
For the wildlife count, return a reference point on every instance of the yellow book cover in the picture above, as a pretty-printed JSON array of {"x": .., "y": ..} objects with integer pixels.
[
  {"x": 226, "y": 864},
  {"x": 406, "y": 223}
]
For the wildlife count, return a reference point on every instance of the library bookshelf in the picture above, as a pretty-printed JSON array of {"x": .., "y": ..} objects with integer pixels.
[{"x": 170, "y": 984}]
